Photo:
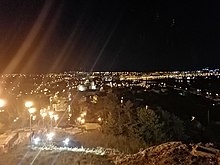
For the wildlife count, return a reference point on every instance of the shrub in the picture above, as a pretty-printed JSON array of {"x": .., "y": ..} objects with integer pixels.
[
  {"x": 148, "y": 127},
  {"x": 99, "y": 139},
  {"x": 144, "y": 125},
  {"x": 173, "y": 127}
]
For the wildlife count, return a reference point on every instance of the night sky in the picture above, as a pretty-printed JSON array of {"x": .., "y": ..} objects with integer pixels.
[{"x": 108, "y": 35}]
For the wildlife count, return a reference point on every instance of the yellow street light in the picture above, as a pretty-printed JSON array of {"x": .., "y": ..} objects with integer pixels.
[
  {"x": 51, "y": 117},
  {"x": 31, "y": 111},
  {"x": 99, "y": 119},
  {"x": 34, "y": 117},
  {"x": 79, "y": 119},
  {"x": 56, "y": 117},
  {"x": 2, "y": 103},
  {"x": 50, "y": 114},
  {"x": 43, "y": 114},
  {"x": 83, "y": 114},
  {"x": 28, "y": 104},
  {"x": 82, "y": 121}
]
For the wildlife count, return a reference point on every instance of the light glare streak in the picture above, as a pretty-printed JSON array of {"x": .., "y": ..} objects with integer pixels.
[{"x": 29, "y": 39}]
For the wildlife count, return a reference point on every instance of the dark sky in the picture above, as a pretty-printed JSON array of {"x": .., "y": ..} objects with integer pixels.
[{"x": 40, "y": 36}]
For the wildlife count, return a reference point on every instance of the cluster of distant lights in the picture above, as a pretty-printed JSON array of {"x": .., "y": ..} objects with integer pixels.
[
  {"x": 44, "y": 86},
  {"x": 81, "y": 119}
]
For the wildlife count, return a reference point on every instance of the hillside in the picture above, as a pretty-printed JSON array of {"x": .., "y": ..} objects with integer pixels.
[
  {"x": 175, "y": 153},
  {"x": 170, "y": 153}
]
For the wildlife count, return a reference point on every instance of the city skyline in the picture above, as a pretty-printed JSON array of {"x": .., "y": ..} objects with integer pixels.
[{"x": 57, "y": 36}]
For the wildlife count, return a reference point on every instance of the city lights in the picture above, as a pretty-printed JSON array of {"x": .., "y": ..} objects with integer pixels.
[{"x": 137, "y": 81}]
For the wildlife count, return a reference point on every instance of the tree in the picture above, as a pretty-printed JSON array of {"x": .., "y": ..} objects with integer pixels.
[
  {"x": 106, "y": 105},
  {"x": 124, "y": 119},
  {"x": 14, "y": 117},
  {"x": 148, "y": 126},
  {"x": 172, "y": 125},
  {"x": 119, "y": 119}
]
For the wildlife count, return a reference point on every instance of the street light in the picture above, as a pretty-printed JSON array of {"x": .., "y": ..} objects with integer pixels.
[
  {"x": 79, "y": 119},
  {"x": 56, "y": 117},
  {"x": 44, "y": 114},
  {"x": 31, "y": 111},
  {"x": 51, "y": 117},
  {"x": 82, "y": 121},
  {"x": 50, "y": 114},
  {"x": 28, "y": 104},
  {"x": 83, "y": 114},
  {"x": 2, "y": 104},
  {"x": 99, "y": 119}
]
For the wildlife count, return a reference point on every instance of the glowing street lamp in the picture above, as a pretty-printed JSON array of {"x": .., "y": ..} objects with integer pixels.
[
  {"x": 28, "y": 104},
  {"x": 44, "y": 114},
  {"x": 82, "y": 121},
  {"x": 2, "y": 103},
  {"x": 51, "y": 117},
  {"x": 50, "y": 114},
  {"x": 84, "y": 113},
  {"x": 34, "y": 117},
  {"x": 99, "y": 119},
  {"x": 79, "y": 119},
  {"x": 56, "y": 117},
  {"x": 31, "y": 111}
]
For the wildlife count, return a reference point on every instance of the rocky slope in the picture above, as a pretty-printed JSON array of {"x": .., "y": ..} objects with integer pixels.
[{"x": 172, "y": 153}]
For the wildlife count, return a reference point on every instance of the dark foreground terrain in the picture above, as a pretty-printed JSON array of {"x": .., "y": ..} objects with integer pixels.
[
  {"x": 175, "y": 153},
  {"x": 22, "y": 154},
  {"x": 172, "y": 153}
]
